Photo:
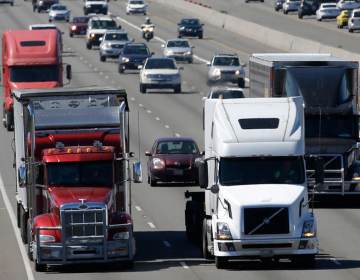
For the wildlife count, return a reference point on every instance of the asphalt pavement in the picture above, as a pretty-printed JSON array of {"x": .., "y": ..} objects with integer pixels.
[{"x": 163, "y": 251}]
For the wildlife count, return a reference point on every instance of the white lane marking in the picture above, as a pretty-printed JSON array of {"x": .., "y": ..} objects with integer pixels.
[
  {"x": 95, "y": 69},
  {"x": 140, "y": 105},
  {"x": 101, "y": 73},
  {"x": 157, "y": 118},
  {"x": 167, "y": 126},
  {"x": 183, "y": 264},
  {"x": 151, "y": 225},
  {"x": 132, "y": 98},
  {"x": 167, "y": 243},
  {"x": 81, "y": 58},
  {"x": 148, "y": 111},
  {"x": 177, "y": 135},
  {"x": 138, "y": 208},
  {"x": 335, "y": 261},
  {"x": 29, "y": 273},
  {"x": 106, "y": 77}
]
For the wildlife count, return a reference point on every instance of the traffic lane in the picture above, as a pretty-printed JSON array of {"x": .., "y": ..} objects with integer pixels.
[{"x": 265, "y": 15}]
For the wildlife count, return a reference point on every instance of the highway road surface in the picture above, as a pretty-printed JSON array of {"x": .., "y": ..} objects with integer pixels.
[{"x": 162, "y": 249}]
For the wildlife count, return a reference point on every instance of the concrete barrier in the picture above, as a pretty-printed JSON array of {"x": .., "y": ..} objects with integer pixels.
[{"x": 274, "y": 38}]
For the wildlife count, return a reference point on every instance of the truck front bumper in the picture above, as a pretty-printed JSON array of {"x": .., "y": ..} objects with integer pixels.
[{"x": 264, "y": 248}]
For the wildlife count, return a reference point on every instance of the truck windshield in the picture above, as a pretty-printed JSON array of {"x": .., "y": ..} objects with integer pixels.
[
  {"x": 80, "y": 174},
  {"x": 261, "y": 170},
  {"x": 39, "y": 73}
]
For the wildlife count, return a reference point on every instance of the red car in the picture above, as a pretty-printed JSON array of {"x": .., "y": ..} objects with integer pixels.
[
  {"x": 172, "y": 160},
  {"x": 78, "y": 26}
]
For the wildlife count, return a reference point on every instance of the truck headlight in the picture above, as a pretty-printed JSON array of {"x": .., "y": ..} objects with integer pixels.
[
  {"x": 309, "y": 229},
  {"x": 121, "y": 235},
  {"x": 125, "y": 59},
  {"x": 217, "y": 72},
  {"x": 158, "y": 163},
  {"x": 223, "y": 231},
  {"x": 44, "y": 238}
]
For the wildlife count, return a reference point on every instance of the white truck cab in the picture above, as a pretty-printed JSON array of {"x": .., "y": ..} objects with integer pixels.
[{"x": 255, "y": 203}]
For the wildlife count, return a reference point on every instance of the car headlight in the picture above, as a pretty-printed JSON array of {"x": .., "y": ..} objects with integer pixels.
[
  {"x": 188, "y": 53},
  {"x": 223, "y": 231},
  {"x": 217, "y": 72},
  {"x": 158, "y": 163},
  {"x": 121, "y": 235},
  {"x": 87, "y": 5},
  {"x": 92, "y": 35},
  {"x": 125, "y": 59},
  {"x": 107, "y": 45},
  {"x": 44, "y": 238},
  {"x": 309, "y": 229},
  {"x": 41, "y": 2},
  {"x": 169, "y": 52},
  {"x": 182, "y": 28},
  {"x": 237, "y": 72},
  {"x": 73, "y": 27}
]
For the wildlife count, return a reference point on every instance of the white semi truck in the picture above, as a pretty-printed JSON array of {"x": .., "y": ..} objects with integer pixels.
[{"x": 255, "y": 203}]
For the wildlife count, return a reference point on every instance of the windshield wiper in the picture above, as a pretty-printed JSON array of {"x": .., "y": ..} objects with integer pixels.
[{"x": 266, "y": 221}]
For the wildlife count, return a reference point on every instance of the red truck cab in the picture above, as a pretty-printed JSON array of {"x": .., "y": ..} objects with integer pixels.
[{"x": 30, "y": 59}]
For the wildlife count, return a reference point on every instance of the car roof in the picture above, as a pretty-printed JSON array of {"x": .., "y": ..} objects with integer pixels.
[
  {"x": 161, "y": 139},
  {"x": 225, "y": 55},
  {"x": 97, "y": 17},
  {"x": 117, "y": 31},
  {"x": 226, "y": 88},
  {"x": 160, "y": 57},
  {"x": 177, "y": 39}
]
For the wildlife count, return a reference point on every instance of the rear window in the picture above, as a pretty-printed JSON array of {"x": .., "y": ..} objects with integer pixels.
[
  {"x": 140, "y": 50},
  {"x": 80, "y": 19},
  {"x": 259, "y": 123},
  {"x": 227, "y": 94},
  {"x": 32, "y": 43}
]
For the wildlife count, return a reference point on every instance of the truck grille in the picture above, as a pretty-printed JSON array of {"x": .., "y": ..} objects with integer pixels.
[
  {"x": 268, "y": 220},
  {"x": 79, "y": 223}
]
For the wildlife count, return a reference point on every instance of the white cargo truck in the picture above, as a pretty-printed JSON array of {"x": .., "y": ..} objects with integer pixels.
[{"x": 255, "y": 203}]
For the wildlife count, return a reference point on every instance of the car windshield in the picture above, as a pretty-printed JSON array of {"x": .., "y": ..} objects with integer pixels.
[
  {"x": 274, "y": 170},
  {"x": 39, "y": 73},
  {"x": 190, "y": 22},
  {"x": 80, "y": 20},
  {"x": 80, "y": 174},
  {"x": 140, "y": 50},
  {"x": 226, "y": 61},
  {"x": 103, "y": 24},
  {"x": 116, "y": 37},
  {"x": 137, "y": 2},
  {"x": 160, "y": 63},
  {"x": 178, "y": 44},
  {"x": 58, "y": 8},
  {"x": 177, "y": 147},
  {"x": 329, "y": 6},
  {"x": 227, "y": 94}
]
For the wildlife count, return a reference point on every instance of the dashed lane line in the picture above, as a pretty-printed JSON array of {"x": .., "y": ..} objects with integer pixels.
[
  {"x": 184, "y": 265},
  {"x": 151, "y": 225},
  {"x": 138, "y": 208}
]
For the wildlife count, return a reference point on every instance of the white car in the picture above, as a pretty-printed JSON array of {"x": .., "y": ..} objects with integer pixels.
[
  {"x": 159, "y": 73},
  {"x": 290, "y": 6},
  {"x": 95, "y": 6},
  {"x": 354, "y": 21},
  {"x": 97, "y": 26},
  {"x": 348, "y": 4},
  {"x": 136, "y": 7},
  {"x": 59, "y": 12},
  {"x": 327, "y": 11},
  {"x": 179, "y": 49}
]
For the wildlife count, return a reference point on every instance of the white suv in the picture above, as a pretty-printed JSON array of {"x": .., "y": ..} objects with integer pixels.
[
  {"x": 97, "y": 27},
  {"x": 136, "y": 7},
  {"x": 354, "y": 21},
  {"x": 95, "y": 6}
]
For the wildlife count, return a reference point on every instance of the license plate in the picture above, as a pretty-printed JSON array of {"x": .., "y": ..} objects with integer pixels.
[
  {"x": 266, "y": 253},
  {"x": 178, "y": 172}
]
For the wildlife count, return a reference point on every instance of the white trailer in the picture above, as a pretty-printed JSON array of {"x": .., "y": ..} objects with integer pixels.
[{"x": 255, "y": 203}]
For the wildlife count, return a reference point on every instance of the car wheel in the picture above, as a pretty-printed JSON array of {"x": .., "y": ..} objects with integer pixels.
[
  {"x": 144, "y": 14},
  {"x": 285, "y": 12},
  {"x": 319, "y": 19},
  {"x": 39, "y": 10},
  {"x": 341, "y": 26},
  {"x": 221, "y": 262},
  {"x": 191, "y": 60},
  {"x": 179, "y": 35},
  {"x": 300, "y": 16},
  {"x": 102, "y": 58},
  {"x": 121, "y": 69},
  {"x": 88, "y": 45},
  {"x": 67, "y": 20},
  {"x": 142, "y": 88},
  {"x": 50, "y": 20},
  {"x": 85, "y": 13},
  {"x": 351, "y": 31},
  {"x": 241, "y": 83},
  {"x": 201, "y": 36},
  {"x": 40, "y": 267},
  {"x": 71, "y": 34},
  {"x": 177, "y": 89},
  {"x": 153, "y": 183}
]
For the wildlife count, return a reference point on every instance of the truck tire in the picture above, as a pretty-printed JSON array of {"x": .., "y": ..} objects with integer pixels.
[
  {"x": 241, "y": 83},
  {"x": 193, "y": 221},
  {"x": 221, "y": 262},
  {"x": 40, "y": 267},
  {"x": 9, "y": 121},
  {"x": 23, "y": 225},
  {"x": 29, "y": 243},
  {"x": 18, "y": 217},
  {"x": 205, "y": 242}
]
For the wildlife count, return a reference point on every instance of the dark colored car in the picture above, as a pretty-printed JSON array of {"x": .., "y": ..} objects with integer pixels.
[
  {"x": 132, "y": 56},
  {"x": 43, "y": 5},
  {"x": 172, "y": 160},
  {"x": 190, "y": 27},
  {"x": 309, "y": 7},
  {"x": 278, "y": 5},
  {"x": 78, "y": 26}
]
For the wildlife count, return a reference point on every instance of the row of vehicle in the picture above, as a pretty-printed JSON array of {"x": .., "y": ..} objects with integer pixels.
[{"x": 346, "y": 12}]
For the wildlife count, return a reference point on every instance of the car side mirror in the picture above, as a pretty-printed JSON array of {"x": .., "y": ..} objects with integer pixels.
[
  {"x": 203, "y": 173},
  {"x": 147, "y": 153},
  {"x": 68, "y": 72},
  {"x": 140, "y": 67},
  {"x": 137, "y": 172},
  {"x": 208, "y": 64},
  {"x": 319, "y": 171}
]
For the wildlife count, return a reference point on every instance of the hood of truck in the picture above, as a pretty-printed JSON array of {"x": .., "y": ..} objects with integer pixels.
[
  {"x": 63, "y": 195},
  {"x": 27, "y": 85},
  {"x": 261, "y": 195},
  {"x": 328, "y": 145}
]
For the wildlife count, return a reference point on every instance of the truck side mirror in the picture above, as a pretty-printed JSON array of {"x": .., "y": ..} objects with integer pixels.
[
  {"x": 137, "y": 172},
  {"x": 203, "y": 173},
  {"x": 68, "y": 72},
  {"x": 22, "y": 175},
  {"x": 319, "y": 171}
]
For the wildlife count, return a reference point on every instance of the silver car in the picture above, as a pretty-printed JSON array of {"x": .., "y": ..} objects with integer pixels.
[
  {"x": 354, "y": 21},
  {"x": 290, "y": 6},
  {"x": 59, "y": 12},
  {"x": 348, "y": 4},
  {"x": 179, "y": 49},
  {"x": 226, "y": 68},
  {"x": 159, "y": 73},
  {"x": 111, "y": 44},
  {"x": 327, "y": 11}
]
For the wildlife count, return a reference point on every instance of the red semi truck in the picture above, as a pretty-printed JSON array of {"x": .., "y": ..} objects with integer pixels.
[
  {"x": 73, "y": 175},
  {"x": 30, "y": 59}
]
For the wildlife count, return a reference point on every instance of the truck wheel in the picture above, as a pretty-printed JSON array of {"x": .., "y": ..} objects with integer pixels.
[
  {"x": 193, "y": 221},
  {"x": 300, "y": 16},
  {"x": 241, "y": 83},
  {"x": 29, "y": 244},
  {"x": 177, "y": 89},
  {"x": 38, "y": 10},
  {"x": 18, "y": 216},
  {"x": 88, "y": 45},
  {"x": 23, "y": 225},
  {"x": 9, "y": 121},
  {"x": 205, "y": 242},
  {"x": 102, "y": 58},
  {"x": 221, "y": 262},
  {"x": 142, "y": 88},
  {"x": 200, "y": 36},
  {"x": 40, "y": 267}
]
